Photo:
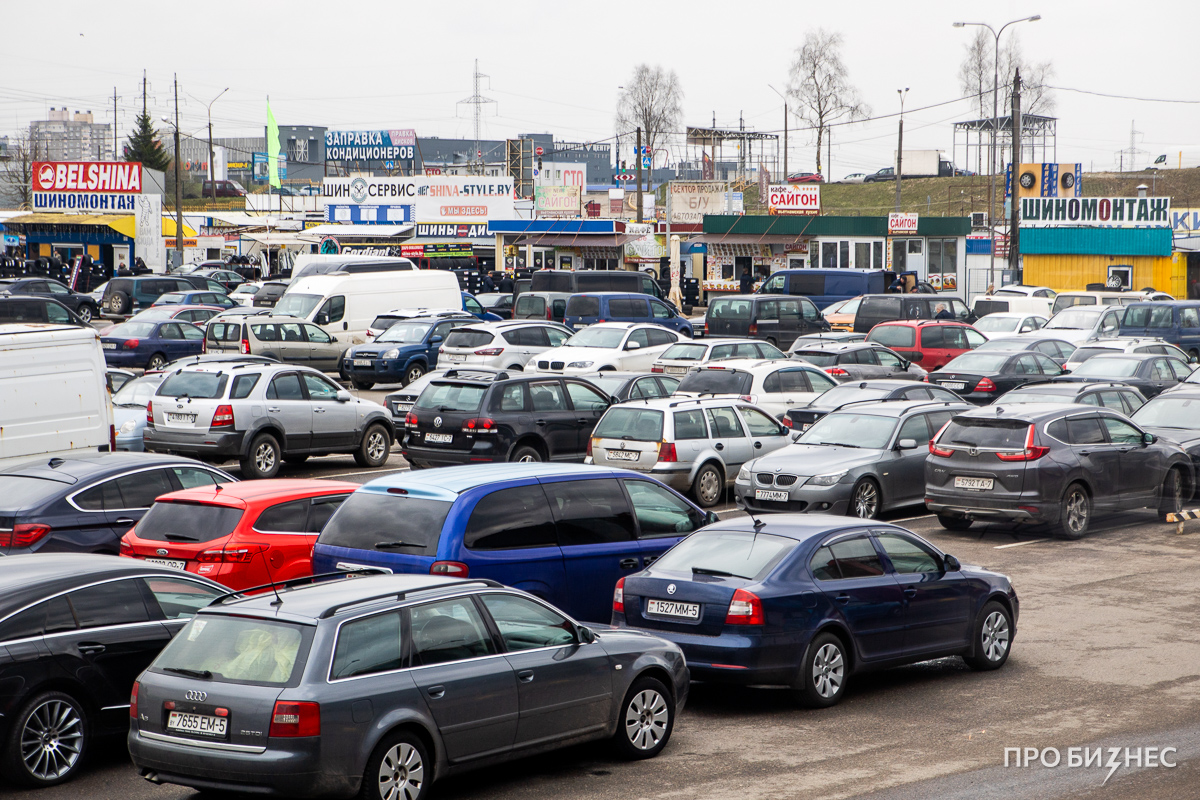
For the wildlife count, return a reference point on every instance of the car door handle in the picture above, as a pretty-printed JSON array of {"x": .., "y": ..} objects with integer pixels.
[
  {"x": 525, "y": 676},
  {"x": 1085, "y": 452},
  {"x": 90, "y": 648},
  {"x": 582, "y": 420},
  {"x": 436, "y": 692},
  {"x": 843, "y": 598},
  {"x": 628, "y": 563},
  {"x": 318, "y": 410},
  {"x": 539, "y": 422},
  {"x": 758, "y": 445},
  {"x": 911, "y": 591},
  {"x": 719, "y": 446},
  {"x": 124, "y": 521},
  {"x": 273, "y": 409}
]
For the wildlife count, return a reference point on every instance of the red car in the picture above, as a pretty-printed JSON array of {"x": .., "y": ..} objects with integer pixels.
[
  {"x": 806, "y": 177},
  {"x": 930, "y": 343},
  {"x": 238, "y": 534}
]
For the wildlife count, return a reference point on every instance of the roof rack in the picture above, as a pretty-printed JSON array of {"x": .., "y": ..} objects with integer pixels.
[
  {"x": 329, "y": 612},
  {"x": 287, "y": 584},
  {"x": 502, "y": 375}
]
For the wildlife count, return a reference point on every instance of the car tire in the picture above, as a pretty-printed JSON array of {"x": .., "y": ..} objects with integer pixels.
[
  {"x": 375, "y": 447},
  {"x": 262, "y": 460},
  {"x": 118, "y": 303},
  {"x": 1076, "y": 513},
  {"x": 398, "y": 769},
  {"x": 708, "y": 487},
  {"x": 866, "y": 500},
  {"x": 823, "y": 673},
  {"x": 954, "y": 523},
  {"x": 993, "y": 638},
  {"x": 1171, "y": 501},
  {"x": 156, "y": 362},
  {"x": 772, "y": 341},
  {"x": 362, "y": 386},
  {"x": 58, "y": 724},
  {"x": 295, "y": 460},
  {"x": 413, "y": 373},
  {"x": 526, "y": 454},
  {"x": 646, "y": 720},
  {"x": 87, "y": 312}
]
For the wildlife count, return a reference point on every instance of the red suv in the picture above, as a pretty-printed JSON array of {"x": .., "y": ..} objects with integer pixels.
[
  {"x": 238, "y": 534},
  {"x": 930, "y": 343}
]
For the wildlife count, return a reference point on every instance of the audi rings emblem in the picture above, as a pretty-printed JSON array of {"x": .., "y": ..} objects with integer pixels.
[
  {"x": 670, "y": 588},
  {"x": 198, "y": 696},
  {"x": 437, "y": 422}
]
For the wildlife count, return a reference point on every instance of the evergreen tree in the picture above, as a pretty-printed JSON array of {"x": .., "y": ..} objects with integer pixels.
[{"x": 143, "y": 146}]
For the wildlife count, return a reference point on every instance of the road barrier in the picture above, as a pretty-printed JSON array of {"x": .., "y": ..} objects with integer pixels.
[{"x": 1179, "y": 517}]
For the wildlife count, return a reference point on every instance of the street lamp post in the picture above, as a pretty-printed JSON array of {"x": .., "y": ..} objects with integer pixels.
[
  {"x": 995, "y": 129},
  {"x": 900, "y": 146},
  {"x": 212, "y": 168},
  {"x": 178, "y": 191},
  {"x": 785, "y": 130}
]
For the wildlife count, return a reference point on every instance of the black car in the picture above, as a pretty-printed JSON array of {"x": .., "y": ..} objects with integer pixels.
[
  {"x": 982, "y": 377},
  {"x": 776, "y": 318},
  {"x": 467, "y": 417},
  {"x": 877, "y": 308},
  {"x": 86, "y": 503},
  {"x": 1174, "y": 416},
  {"x": 845, "y": 394},
  {"x": 227, "y": 279},
  {"x": 498, "y": 303},
  {"x": 633, "y": 385},
  {"x": 1051, "y": 464},
  {"x": 269, "y": 293},
  {"x": 27, "y": 308},
  {"x": 1117, "y": 396},
  {"x": 1149, "y": 373},
  {"x": 124, "y": 296},
  {"x": 75, "y": 632},
  {"x": 81, "y": 304},
  {"x": 1056, "y": 350},
  {"x": 855, "y": 361},
  {"x": 202, "y": 283}
]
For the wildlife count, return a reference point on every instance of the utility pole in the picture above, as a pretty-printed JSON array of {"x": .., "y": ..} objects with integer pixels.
[
  {"x": 1014, "y": 218},
  {"x": 785, "y": 169},
  {"x": 478, "y": 101},
  {"x": 828, "y": 153},
  {"x": 900, "y": 146},
  {"x": 178, "y": 184},
  {"x": 638, "y": 156},
  {"x": 115, "y": 156}
]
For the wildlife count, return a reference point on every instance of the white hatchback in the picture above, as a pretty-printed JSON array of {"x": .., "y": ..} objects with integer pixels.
[
  {"x": 774, "y": 386},
  {"x": 503, "y": 345},
  {"x": 685, "y": 357},
  {"x": 626, "y": 346}
]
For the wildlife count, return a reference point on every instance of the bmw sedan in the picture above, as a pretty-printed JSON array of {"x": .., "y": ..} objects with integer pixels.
[{"x": 806, "y": 602}]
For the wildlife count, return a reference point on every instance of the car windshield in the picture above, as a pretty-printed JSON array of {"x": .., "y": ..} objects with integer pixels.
[
  {"x": 137, "y": 392},
  {"x": 818, "y": 358},
  {"x": 685, "y": 352},
  {"x": 1108, "y": 367},
  {"x": 634, "y": 424},
  {"x": 981, "y": 363},
  {"x": 608, "y": 338},
  {"x": 130, "y": 330},
  {"x": 196, "y": 385},
  {"x": 1075, "y": 319},
  {"x": 187, "y": 522},
  {"x": 1166, "y": 411},
  {"x": 234, "y": 649},
  {"x": 298, "y": 305},
  {"x": 387, "y": 523},
  {"x": 847, "y": 429},
  {"x": 993, "y": 323},
  {"x": 405, "y": 333},
  {"x": 738, "y": 554},
  {"x": 451, "y": 397}
]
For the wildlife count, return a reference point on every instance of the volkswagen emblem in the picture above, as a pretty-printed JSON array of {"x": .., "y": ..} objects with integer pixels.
[
  {"x": 162, "y": 551},
  {"x": 437, "y": 422},
  {"x": 670, "y": 588},
  {"x": 198, "y": 696}
]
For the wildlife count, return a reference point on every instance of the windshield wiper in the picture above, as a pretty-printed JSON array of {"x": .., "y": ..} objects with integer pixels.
[
  {"x": 191, "y": 673},
  {"x": 180, "y": 537},
  {"x": 720, "y": 573},
  {"x": 397, "y": 543}
]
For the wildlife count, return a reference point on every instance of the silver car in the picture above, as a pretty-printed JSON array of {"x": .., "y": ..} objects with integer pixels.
[
  {"x": 694, "y": 446},
  {"x": 858, "y": 461},
  {"x": 503, "y": 345},
  {"x": 283, "y": 338}
]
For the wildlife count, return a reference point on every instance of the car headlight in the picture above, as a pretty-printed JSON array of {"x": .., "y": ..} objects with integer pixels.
[
  {"x": 393, "y": 353},
  {"x": 744, "y": 473},
  {"x": 826, "y": 480},
  {"x": 579, "y": 364},
  {"x": 129, "y": 426}
]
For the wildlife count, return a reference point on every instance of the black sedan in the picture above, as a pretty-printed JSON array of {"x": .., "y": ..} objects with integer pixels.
[
  {"x": 845, "y": 394},
  {"x": 855, "y": 361},
  {"x": 1149, "y": 373},
  {"x": 1056, "y": 349},
  {"x": 75, "y": 632},
  {"x": 1117, "y": 396},
  {"x": 228, "y": 279},
  {"x": 20, "y": 308},
  {"x": 982, "y": 377},
  {"x": 498, "y": 303},
  {"x": 86, "y": 504},
  {"x": 82, "y": 304},
  {"x": 1175, "y": 416}
]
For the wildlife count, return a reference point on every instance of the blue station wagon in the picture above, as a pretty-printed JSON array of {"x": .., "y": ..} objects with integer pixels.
[
  {"x": 564, "y": 533},
  {"x": 589, "y": 309}
]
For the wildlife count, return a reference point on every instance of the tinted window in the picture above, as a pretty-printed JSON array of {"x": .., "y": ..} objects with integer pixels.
[
  {"x": 824, "y": 565},
  {"x": 915, "y": 428},
  {"x": 525, "y": 624},
  {"x": 196, "y": 385},
  {"x": 242, "y": 386},
  {"x": 102, "y": 497},
  {"x": 1000, "y": 434},
  {"x": 450, "y": 630},
  {"x": 141, "y": 489},
  {"x": 547, "y": 397},
  {"x": 590, "y": 512},
  {"x": 907, "y": 556},
  {"x": 690, "y": 425},
  {"x": 1084, "y": 430},
  {"x": 528, "y": 305},
  {"x": 367, "y": 646},
  {"x": 51, "y": 616},
  {"x": 660, "y": 337},
  {"x": 856, "y": 558},
  {"x": 112, "y": 603},
  {"x": 728, "y": 308},
  {"x": 933, "y": 337},
  {"x": 893, "y": 335},
  {"x": 402, "y": 523},
  {"x": 284, "y": 518},
  {"x": 740, "y": 553},
  {"x": 577, "y": 306},
  {"x": 716, "y": 381},
  {"x": 628, "y": 307},
  {"x": 636, "y": 424},
  {"x": 660, "y": 512},
  {"x": 187, "y": 522},
  {"x": 178, "y": 598},
  {"x": 471, "y": 338},
  {"x": 509, "y": 519},
  {"x": 451, "y": 397}
]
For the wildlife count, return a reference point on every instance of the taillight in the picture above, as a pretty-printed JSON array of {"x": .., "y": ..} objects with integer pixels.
[
  {"x": 126, "y": 549},
  {"x": 1030, "y": 453},
  {"x": 490, "y": 351},
  {"x": 291, "y": 719},
  {"x": 150, "y": 413},
  {"x": 706, "y": 327},
  {"x": 656, "y": 369},
  {"x": 244, "y": 554},
  {"x": 836, "y": 371},
  {"x": 204, "y": 345},
  {"x": 753, "y": 328},
  {"x": 744, "y": 609},
  {"x": 411, "y": 419},
  {"x": 787, "y": 422},
  {"x": 591, "y": 442},
  {"x": 245, "y": 347},
  {"x": 451, "y": 569},
  {"x": 133, "y": 700},
  {"x": 934, "y": 449},
  {"x": 666, "y": 452},
  {"x": 985, "y": 385},
  {"x": 222, "y": 417},
  {"x": 112, "y": 438},
  {"x": 925, "y": 377},
  {"x": 479, "y": 425},
  {"x": 619, "y": 597},
  {"x": 24, "y": 534},
  {"x": 211, "y": 556},
  {"x": 549, "y": 315}
]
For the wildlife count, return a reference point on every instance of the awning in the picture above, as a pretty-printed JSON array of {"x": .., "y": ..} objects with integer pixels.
[
  {"x": 286, "y": 239},
  {"x": 580, "y": 240},
  {"x": 128, "y": 226},
  {"x": 372, "y": 231},
  {"x": 123, "y": 224}
]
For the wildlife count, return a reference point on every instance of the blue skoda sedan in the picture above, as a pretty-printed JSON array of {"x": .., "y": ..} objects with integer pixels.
[
  {"x": 806, "y": 602},
  {"x": 150, "y": 344}
]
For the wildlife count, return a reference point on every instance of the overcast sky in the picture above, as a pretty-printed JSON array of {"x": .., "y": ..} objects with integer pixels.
[{"x": 556, "y": 66}]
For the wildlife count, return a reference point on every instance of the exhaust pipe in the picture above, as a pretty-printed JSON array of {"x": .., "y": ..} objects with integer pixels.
[{"x": 152, "y": 776}]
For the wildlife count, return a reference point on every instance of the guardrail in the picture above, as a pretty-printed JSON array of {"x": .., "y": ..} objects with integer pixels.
[{"x": 1179, "y": 518}]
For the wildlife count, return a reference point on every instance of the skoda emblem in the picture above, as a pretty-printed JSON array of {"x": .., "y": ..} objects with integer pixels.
[
  {"x": 198, "y": 696},
  {"x": 670, "y": 588},
  {"x": 358, "y": 190},
  {"x": 437, "y": 422},
  {"x": 162, "y": 551}
]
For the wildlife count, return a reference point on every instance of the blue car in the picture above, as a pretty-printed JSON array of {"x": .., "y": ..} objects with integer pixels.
[
  {"x": 476, "y": 309},
  {"x": 593, "y": 307},
  {"x": 564, "y": 533},
  {"x": 129, "y": 410},
  {"x": 201, "y": 298},
  {"x": 806, "y": 601},
  {"x": 149, "y": 344},
  {"x": 402, "y": 353}
]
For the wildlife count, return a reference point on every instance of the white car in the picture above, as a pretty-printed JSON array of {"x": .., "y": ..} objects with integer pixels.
[
  {"x": 389, "y": 318},
  {"x": 854, "y": 177},
  {"x": 1026, "y": 291},
  {"x": 1079, "y": 324},
  {"x": 774, "y": 386},
  {"x": 1003, "y": 322},
  {"x": 626, "y": 346},
  {"x": 685, "y": 357},
  {"x": 244, "y": 293},
  {"x": 504, "y": 345}
]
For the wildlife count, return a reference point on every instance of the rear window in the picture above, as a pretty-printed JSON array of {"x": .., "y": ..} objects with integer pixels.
[
  {"x": 468, "y": 338},
  {"x": 581, "y": 306},
  {"x": 635, "y": 424},
  {"x": 736, "y": 553},
  {"x": 237, "y": 649},
  {"x": 849, "y": 393},
  {"x": 977, "y": 362},
  {"x": 893, "y": 335},
  {"x": 451, "y": 397},
  {"x": 20, "y": 491},
  {"x": 196, "y": 385},
  {"x": 187, "y": 522},
  {"x": 387, "y": 523},
  {"x": 1108, "y": 367},
  {"x": 729, "y": 308},
  {"x": 527, "y": 304},
  {"x": 817, "y": 358},
  {"x": 995, "y": 434},
  {"x": 685, "y": 352},
  {"x": 383, "y": 322},
  {"x": 716, "y": 381}
]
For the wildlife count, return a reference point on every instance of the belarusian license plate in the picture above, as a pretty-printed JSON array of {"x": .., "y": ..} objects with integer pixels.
[
  {"x": 675, "y": 370},
  {"x": 767, "y": 494},
  {"x": 362, "y": 362},
  {"x": 957, "y": 386},
  {"x": 455, "y": 357},
  {"x": 439, "y": 438},
  {"x": 110, "y": 345},
  {"x": 403, "y": 408},
  {"x": 170, "y": 563},
  {"x": 189, "y": 418},
  {"x": 979, "y": 484},
  {"x": 669, "y": 608},
  {"x": 197, "y": 723},
  {"x": 623, "y": 455}
]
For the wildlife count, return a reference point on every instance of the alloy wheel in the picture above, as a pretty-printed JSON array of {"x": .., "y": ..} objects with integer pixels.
[
  {"x": 85, "y": 313},
  {"x": 828, "y": 670},
  {"x": 264, "y": 458},
  {"x": 646, "y": 719},
  {"x": 995, "y": 636},
  {"x": 376, "y": 446},
  {"x": 866, "y": 500},
  {"x": 156, "y": 362},
  {"x": 52, "y": 740},
  {"x": 401, "y": 773},
  {"x": 1077, "y": 511}
]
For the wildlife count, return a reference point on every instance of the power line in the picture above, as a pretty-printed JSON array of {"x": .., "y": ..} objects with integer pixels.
[{"x": 1123, "y": 96}]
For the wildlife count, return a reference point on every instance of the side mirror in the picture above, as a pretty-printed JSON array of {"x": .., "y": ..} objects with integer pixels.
[
  {"x": 344, "y": 396},
  {"x": 796, "y": 436},
  {"x": 633, "y": 346},
  {"x": 333, "y": 339},
  {"x": 321, "y": 319},
  {"x": 1193, "y": 360},
  {"x": 952, "y": 563},
  {"x": 906, "y": 444},
  {"x": 711, "y": 518},
  {"x": 613, "y": 400},
  {"x": 1149, "y": 438},
  {"x": 585, "y": 635},
  {"x": 905, "y": 363},
  {"x": 437, "y": 337}
]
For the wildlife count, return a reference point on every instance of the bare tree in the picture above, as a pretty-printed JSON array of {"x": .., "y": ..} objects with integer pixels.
[
  {"x": 1036, "y": 96},
  {"x": 975, "y": 73},
  {"x": 653, "y": 101},
  {"x": 16, "y": 174},
  {"x": 820, "y": 84}
]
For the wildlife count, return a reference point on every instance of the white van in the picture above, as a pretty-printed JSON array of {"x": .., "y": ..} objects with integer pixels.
[
  {"x": 307, "y": 264},
  {"x": 346, "y": 305},
  {"x": 53, "y": 398}
]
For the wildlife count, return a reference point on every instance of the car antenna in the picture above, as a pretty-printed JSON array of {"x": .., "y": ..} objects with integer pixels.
[
  {"x": 278, "y": 601},
  {"x": 758, "y": 523}
]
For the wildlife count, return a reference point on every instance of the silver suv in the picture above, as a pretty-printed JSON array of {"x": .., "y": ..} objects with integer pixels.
[
  {"x": 283, "y": 338},
  {"x": 694, "y": 446},
  {"x": 262, "y": 414}
]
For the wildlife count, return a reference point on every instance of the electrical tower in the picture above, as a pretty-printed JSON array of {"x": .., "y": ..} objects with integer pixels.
[
  {"x": 1133, "y": 150},
  {"x": 478, "y": 101}
]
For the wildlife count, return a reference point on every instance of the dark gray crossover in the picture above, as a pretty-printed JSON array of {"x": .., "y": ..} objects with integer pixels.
[{"x": 380, "y": 685}]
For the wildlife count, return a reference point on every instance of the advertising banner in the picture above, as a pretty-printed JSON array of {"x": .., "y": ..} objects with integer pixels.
[
  {"x": 556, "y": 201},
  {"x": 147, "y": 232},
  {"x": 1096, "y": 212},
  {"x": 390, "y": 145},
  {"x": 431, "y": 198},
  {"x": 1045, "y": 180},
  {"x": 102, "y": 187},
  {"x": 691, "y": 200},
  {"x": 902, "y": 223},
  {"x": 647, "y": 248},
  {"x": 803, "y": 199}
]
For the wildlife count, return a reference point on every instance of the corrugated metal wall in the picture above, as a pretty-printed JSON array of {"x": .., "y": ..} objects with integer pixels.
[
  {"x": 1097, "y": 241},
  {"x": 1072, "y": 273}
]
